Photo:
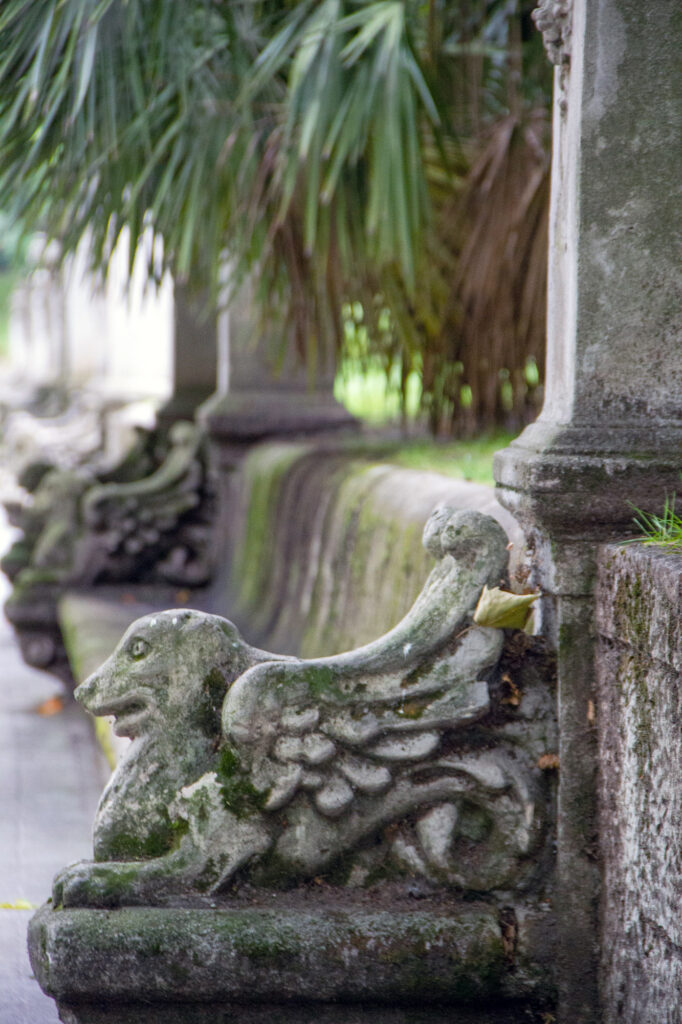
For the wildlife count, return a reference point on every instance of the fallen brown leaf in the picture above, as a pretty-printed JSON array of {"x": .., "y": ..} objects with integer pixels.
[
  {"x": 51, "y": 706},
  {"x": 512, "y": 693},
  {"x": 549, "y": 763}
]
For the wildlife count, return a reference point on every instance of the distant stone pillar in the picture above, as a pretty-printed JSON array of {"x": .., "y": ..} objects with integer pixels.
[
  {"x": 266, "y": 393},
  {"x": 195, "y": 357},
  {"x": 262, "y": 395},
  {"x": 38, "y": 332},
  {"x": 610, "y": 432}
]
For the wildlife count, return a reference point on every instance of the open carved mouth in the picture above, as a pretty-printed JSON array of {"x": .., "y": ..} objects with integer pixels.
[{"x": 129, "y": 712}]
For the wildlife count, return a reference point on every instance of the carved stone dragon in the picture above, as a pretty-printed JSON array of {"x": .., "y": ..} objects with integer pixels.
[{"x": 384, "y": 763}]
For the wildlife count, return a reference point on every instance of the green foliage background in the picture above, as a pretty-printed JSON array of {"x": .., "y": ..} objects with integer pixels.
[{"x": 389, "y": 153}]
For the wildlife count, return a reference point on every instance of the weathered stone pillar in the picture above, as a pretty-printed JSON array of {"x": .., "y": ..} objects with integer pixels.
[
  {"x": 262, "y": 394},
  {"x": 195, "y": 357},
  {"x": 266, "y": 393},
  {"x": 38, "y": 348},
  {"x": 610, "y": 432}
]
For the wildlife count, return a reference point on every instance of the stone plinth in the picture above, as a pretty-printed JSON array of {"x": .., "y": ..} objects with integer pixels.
[
  {"x": 195, "y": 357},
  {"x": 265, "y": 390},
  {"x": 245, "y": 417},
  {"x": 207, "y": 964}
]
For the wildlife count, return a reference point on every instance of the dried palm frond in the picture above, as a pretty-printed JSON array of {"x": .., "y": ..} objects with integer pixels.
[{"x": 493, "y": 324}]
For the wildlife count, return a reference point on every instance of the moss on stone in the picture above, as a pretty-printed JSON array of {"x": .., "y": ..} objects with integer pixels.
[
  {"x": 114, "y": 884},
  {"x": 179, "y": 828},
  {"x": 238, "y": 793},
  {"x": 264, "y": 472},
  {"x": 376, "y": 957},
  {"x": 126, "y": 847},
  {"x": 209, "y": 704},
  {"x": 321, "y": 682}
]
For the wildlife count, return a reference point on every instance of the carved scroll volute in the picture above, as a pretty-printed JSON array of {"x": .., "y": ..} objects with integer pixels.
[
  {"x": 146, "y": 525},
  {"x": 53, "y": 515},
  {"x": 389, "y": 760}
]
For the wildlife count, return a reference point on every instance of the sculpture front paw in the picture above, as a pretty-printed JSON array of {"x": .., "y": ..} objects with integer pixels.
[{"x": 87, "y": 884}]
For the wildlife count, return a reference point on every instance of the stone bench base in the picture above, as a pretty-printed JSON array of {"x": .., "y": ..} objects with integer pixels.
[{"x": 140, "y": 965}]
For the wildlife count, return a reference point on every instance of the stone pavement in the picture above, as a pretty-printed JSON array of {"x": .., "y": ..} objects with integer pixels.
[{"x": 51, "y": 775}]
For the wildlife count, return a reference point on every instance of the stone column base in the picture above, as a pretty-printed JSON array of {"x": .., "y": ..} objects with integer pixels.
[
  {"x": 248, "y": 416},
  {"x": 182, "y": 405},
  {"x": 582, "y": 480}
]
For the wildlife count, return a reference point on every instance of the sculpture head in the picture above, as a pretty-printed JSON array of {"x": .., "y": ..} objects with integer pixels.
[
  {"x": 170, "y": 671},
  {"x": 183, "y": 433},
  {"x": 57, "y": 496},
  {"x": 462, "y": 534}
]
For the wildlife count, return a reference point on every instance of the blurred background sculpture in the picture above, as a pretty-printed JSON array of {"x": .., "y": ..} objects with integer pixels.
[{"x": 144, "y": 520}]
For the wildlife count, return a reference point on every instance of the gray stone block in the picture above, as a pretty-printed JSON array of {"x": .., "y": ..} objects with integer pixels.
[
  {"x": 640, "y": 763},
  {"x": 198, "y": 962}
]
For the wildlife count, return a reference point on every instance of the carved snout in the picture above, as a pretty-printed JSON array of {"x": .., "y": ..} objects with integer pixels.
[
  {"x": 85, "y": 693},
  {"x": 94, "y": 693}
]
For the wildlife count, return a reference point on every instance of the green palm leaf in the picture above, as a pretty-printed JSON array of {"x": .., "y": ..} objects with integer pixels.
[{"x": 315, "y": 141}]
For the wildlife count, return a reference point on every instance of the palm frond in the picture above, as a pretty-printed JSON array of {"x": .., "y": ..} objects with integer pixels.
[{"x": 335, "y": 149}]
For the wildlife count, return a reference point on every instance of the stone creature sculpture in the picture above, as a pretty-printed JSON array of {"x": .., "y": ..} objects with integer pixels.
[
  {"x": 64, "y": 426},
  {"x": 92, "y": 529},
  {"x": 48, "y": 523},
  {"x": 553, "y": 18},
  {"x": 48, "y": 514},
  {"x": 146, "y": 520},
  {"x": 248, "y": 766}
]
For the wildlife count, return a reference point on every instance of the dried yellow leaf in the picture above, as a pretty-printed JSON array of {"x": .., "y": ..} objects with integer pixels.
[{"x": 502, "y": 609}]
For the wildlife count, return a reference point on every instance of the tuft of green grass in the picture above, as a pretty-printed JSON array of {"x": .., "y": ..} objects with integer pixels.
[{"x": 664, "y": 530}]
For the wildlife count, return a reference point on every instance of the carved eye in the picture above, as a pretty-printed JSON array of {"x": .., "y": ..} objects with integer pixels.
[{"x": 138, "y": 648}]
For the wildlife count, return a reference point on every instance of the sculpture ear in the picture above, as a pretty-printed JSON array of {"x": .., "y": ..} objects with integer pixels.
[
  {"x": 431, "y": 537},
  {"x": 219, "y": 649}
]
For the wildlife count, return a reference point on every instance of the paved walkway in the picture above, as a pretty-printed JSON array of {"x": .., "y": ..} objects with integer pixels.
[{"x": 51, "y": 775}]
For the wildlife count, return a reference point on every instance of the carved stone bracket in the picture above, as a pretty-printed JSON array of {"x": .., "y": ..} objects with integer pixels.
[
  {"x": 398, "y": 760},
  {"x": 271, "y": 824},
  {"x": 153, "y": 528}
]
